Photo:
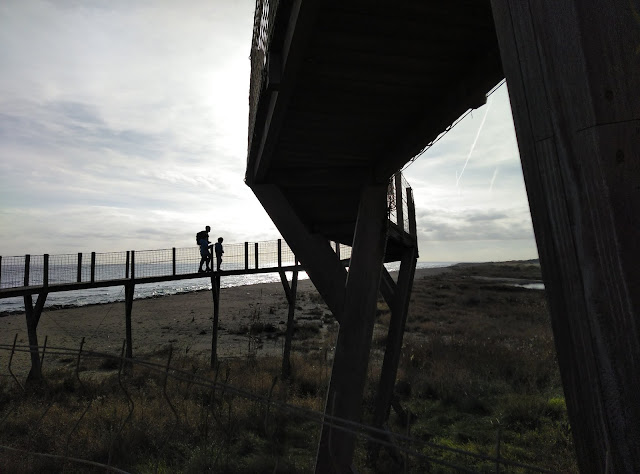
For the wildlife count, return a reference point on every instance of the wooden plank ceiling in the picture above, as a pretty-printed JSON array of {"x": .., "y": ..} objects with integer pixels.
[{"x": 371, "y": 84}]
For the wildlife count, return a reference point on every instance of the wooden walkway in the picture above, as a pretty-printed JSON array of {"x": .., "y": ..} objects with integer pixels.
[{"x": 29, "y": 274}]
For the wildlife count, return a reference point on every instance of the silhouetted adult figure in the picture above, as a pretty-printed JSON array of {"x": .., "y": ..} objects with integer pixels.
[
  {"x": 219, "y": 251},
  {"x": 202, "y": 238}
]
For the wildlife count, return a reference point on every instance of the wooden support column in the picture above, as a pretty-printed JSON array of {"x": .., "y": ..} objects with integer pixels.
[
  {"x": 314, "y": 252},
  {"x": 573, "y": 71},
  {"x": 215, "y": 292},
  {"x": 344, "y": 398},
  {"x": 128, "y": 306},
  {"x": 291, "y": 292},
  {"x": 399, "y": 305},
  {"x": 33, "y": 318}
]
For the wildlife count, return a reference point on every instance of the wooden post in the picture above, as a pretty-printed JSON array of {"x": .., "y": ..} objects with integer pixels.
[
  {"x": 344, "y": 398},
  {"x": 126, "y": 266},
  {"x": 399, "y": 305},
  {"x": 572, "y": 70},
  {"x": 133, "y": 264},
  {"x": 173, "y": 259},
  {"x": 399, "y": 207},
  {"x": 27, "y": 265},
  {"x": 215, "y": 292},
  {"x": 128, "y": 306},
  {"x": 79, "y": 267},
  {"x": 45, "y": 270},
  {"x": 255, "y": 254},
  {"x": 33, "y": 318},
  {"x": 291, "y": 293},
  {"x": 93, "y": 267},
  {"x": 279, "y": 253},
  {"x": 246, "y": 255},
  {"x": 411, "y": 209}
]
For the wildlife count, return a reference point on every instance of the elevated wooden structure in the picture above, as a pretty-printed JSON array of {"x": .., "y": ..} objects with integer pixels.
[
  {"x": 156, "y": 266},
  {"x": 343, "y": 94}
]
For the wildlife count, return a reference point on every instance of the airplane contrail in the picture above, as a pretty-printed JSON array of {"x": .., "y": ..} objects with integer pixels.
[{"x": 473, "y": 145}]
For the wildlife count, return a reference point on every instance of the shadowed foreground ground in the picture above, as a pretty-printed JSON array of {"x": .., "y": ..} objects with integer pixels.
[{"x": 478, "y": 369}]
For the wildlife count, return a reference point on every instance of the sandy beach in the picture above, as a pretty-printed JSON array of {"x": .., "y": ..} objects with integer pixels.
[{"x": 183, "y": 321}]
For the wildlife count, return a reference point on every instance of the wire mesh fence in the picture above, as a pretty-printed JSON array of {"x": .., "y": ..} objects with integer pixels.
[
  {"x": 39, "y": 270},
  {"x": 398, "y": 201},
  {"x": 115, "y": 414}
]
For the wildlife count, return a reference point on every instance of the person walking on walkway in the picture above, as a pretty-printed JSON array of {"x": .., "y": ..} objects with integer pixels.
[
  {"x": 219, "y": 251},
  {"x": 202, "y": 238}
]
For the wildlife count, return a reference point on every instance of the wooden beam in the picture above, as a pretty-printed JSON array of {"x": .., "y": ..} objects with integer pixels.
[
  {"x": 348, "y": 377},
  {"x": 399, "y": 310},
  {"x": 387, "y": 287},
  {"x": 33, "y": 318},
  {"x": 573, "y": 71},
  {"x": 313, "y": 250},
  {"x": 291, "y": 299},
  {"x": 215, "y": 292},
  {"x": 128, "y": 307}
]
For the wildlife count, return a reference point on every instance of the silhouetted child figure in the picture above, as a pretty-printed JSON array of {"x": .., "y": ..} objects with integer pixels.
[
  {"x": 219, "y": 251},
  {"x": 203, "y": 241}
]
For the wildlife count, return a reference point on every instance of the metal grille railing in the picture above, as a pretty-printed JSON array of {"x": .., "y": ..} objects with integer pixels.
[
  {"x": 263, "y": 23},
  {"x": 43, "y": 270},
  {"x": 399, "y": 209}
]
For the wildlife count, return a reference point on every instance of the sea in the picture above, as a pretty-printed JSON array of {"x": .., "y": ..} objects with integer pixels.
[{"x": 77, "y": 298}]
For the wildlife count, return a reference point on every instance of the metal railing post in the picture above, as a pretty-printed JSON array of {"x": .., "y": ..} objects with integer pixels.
[
  {"x": 279, "y": 253},
  {"x": 27, "y": 264},
  {"x": 126, "y": 266},
  {"x": 246, "y": 255},
  {"x": 79, "y": 267},
  {"x": 93, "y": 267},
  {"x": 174, "y": 261},
  {"x": 256, "y": 253},
  {"x": 133, "y": 264},
  {"x": 45, "y": 270}
]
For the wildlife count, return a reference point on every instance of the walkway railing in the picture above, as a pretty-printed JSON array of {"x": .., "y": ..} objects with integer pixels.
[{"x": 50, "y": 270}]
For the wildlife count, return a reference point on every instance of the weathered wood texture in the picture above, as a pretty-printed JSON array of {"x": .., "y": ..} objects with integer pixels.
[
  {"x": 573, "y": 71},
  {"x": 344, "y": 397}
]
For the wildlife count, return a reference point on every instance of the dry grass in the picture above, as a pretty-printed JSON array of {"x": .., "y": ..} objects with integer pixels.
[{"x": 478, "y": 357}]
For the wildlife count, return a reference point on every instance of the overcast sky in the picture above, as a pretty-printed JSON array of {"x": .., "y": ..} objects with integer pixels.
[{"x": 123, "y": 126}]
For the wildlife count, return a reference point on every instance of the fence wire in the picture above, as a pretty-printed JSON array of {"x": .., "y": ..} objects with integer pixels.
[
  {"x": 170, "y": 411},
  {"x": 104, "y": 267}
]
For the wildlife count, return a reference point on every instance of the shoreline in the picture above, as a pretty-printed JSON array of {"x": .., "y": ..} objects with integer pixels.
[
  {"x": 162, "y": 292},
  {"x": 184, "y": 321}
]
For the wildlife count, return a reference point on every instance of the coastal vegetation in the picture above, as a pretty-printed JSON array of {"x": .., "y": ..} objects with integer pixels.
[{"x": 478, "y": 379}]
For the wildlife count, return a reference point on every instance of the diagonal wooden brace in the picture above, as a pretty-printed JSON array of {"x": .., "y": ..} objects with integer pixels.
[{"x": 320, "y": 261}]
